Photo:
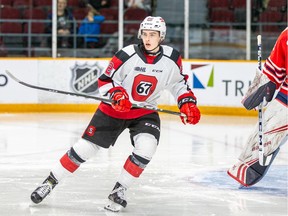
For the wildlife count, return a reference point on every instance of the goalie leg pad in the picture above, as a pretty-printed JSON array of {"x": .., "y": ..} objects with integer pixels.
[
  {"x": 251, "y": 172},
  {"x": 275, "y": 132}
]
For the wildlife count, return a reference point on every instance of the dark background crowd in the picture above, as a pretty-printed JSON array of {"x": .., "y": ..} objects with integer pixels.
[{"x": 26, "y": 25}]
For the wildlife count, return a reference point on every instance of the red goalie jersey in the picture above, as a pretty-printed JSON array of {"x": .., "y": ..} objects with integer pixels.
[{"x": 276, "y": 66}]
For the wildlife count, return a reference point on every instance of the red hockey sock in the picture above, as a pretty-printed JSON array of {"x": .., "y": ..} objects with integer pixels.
[
  {"x": 68, "y": 164},
  {"x": 132, "y": 168}
]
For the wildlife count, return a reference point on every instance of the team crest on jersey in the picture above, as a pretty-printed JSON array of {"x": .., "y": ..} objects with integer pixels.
[
  {"x": 84, "y": 78},
  {"x": 90, "y": 131}
]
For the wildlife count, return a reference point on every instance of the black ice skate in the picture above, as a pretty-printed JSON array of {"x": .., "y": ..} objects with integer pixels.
[
  {"x": 44, "y": 189},
  {"x": 117, "y": 199}
]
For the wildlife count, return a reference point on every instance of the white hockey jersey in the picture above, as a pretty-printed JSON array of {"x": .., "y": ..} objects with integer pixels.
[{"x": 144, "y": 77}]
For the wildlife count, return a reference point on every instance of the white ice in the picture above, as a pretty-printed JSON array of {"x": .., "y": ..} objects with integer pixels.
[{"x": 186, "y": 177}]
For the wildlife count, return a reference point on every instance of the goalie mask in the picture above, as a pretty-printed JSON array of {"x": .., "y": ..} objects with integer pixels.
[{"x": 154, "y": 24}]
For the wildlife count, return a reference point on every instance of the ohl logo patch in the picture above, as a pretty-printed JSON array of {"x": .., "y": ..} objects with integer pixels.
[
  {"x": 203, "y": 76},
  {"x": 84, "y": 78}
]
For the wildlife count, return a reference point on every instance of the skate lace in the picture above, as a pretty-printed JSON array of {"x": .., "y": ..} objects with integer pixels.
[{"x": 44, "y": 189}]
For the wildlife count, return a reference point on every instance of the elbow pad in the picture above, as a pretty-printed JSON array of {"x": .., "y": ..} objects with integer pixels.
[{"x": 267, "y": 90}]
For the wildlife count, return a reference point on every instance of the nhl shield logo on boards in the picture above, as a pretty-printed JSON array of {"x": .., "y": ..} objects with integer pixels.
[{"x": 84, "y": 78}]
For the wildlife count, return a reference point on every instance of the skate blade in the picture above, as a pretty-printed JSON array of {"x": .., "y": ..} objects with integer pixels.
[{"x": 113, "y": 207}]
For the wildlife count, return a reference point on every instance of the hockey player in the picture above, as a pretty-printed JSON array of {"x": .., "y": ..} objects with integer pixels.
[
  {"x": 271, "y": 83},
  {"x": 136, "y": 74}
]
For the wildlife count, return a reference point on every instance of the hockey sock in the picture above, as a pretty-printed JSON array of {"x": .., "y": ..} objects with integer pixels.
[
  {"x": 59, "y": 171},
  {"x": 134, "y": 166},
  {"x": 71, "y": 161},
  {"x": 132, "y": 170},
  {"x": 126, "y": 179}
]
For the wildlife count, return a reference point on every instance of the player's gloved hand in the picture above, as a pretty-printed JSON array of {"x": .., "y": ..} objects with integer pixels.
[
  {"x": 120, "y": 99},
  {"x": 187, "y": 105}
]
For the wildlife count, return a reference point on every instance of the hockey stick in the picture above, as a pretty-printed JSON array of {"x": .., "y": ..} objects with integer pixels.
[
  {"x": 260, "y": 107},
  {"x": 88, "y": 96},
  {"x": 263, "y": 160}
]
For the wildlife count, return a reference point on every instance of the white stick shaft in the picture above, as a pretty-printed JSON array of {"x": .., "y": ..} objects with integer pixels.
[
  {"x": 259, "y": 52},
  {"x": 261, "y": 134},
  {"x": 260, "y": 107},
  {"x": 259, "y": 38}
]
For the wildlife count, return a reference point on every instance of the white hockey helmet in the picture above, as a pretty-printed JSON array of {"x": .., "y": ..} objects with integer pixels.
[{"x": 154, "y": 24}]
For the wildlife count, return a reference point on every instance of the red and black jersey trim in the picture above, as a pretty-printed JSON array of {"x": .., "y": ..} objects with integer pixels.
[
  {"x": 139, "y": 49},
  {"x": 132, "y": 114},
  {"x": 278, "y": 73},
  {"x": 176, "y": 57},
  {"x": 122, "y": 56},
  {"x": 119, "y": 59},
  {"x": 140, "y": 52},
  {"x": 103, "y": 80}
]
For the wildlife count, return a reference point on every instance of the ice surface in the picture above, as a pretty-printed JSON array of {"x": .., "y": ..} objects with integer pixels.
[{"x": 187, "y": 175}]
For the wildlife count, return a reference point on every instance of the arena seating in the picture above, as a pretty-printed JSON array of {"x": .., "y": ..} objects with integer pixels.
[
  {"x": 6, "y": 3},
  {"x": 25, "y": 16},
  {"x": 131, "y": 15}
]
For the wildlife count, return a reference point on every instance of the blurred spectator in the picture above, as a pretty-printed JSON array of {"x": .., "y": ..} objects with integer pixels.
[
  {"x": 65, "y": 25},
  {"x": 265, "y": 3},
  {"x": 143, "y": 4},
  {"x": 90, "y": 26}
]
